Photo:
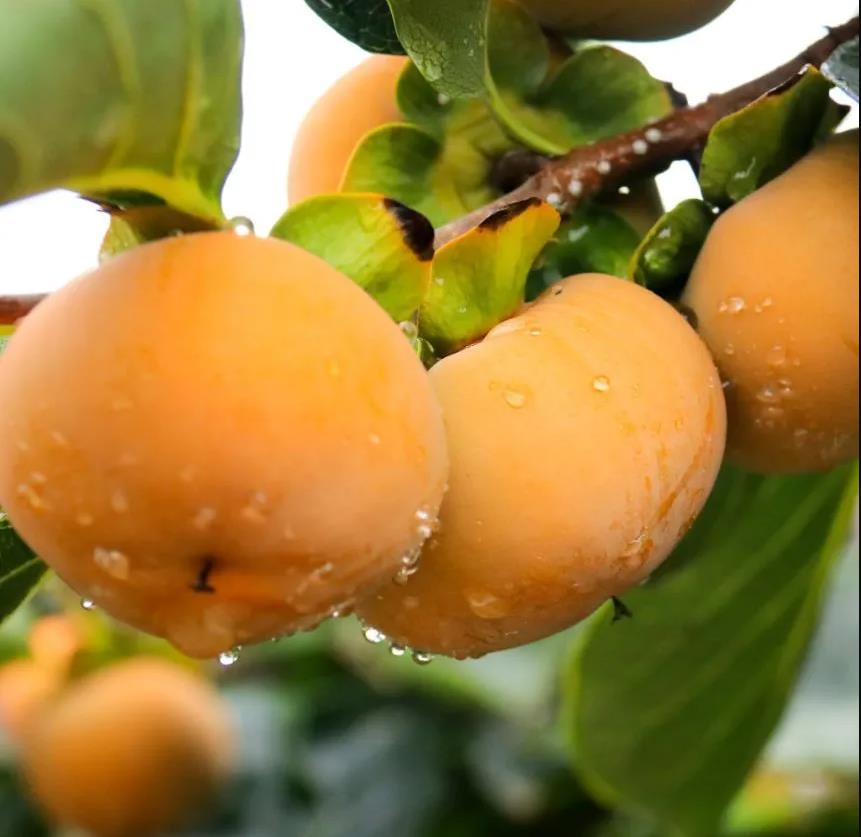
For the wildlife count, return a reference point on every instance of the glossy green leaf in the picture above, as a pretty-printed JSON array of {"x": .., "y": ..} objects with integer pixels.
[
  {"x": 367, "y": 23},
  {"x": 125, "y": 100},
  {"x": 141, "y": 224},
  {"x": 447, "y": 40},
  {"x": 380, "y": 244},
  {"x": 20, "y": 569},
  {"x": 842, "y": 68},
  {"x": 753, "y": 146},
  {"x": 598, "y": 92},
  {"x": 667, "y": 254},
  {"x": 591, "y": 240},
  {"x": 667, "y": 712},
  {"x": 479, "y": 279}
]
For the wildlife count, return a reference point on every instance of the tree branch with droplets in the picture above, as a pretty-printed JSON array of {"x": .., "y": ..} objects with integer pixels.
[{"x": 590, "y": 170}]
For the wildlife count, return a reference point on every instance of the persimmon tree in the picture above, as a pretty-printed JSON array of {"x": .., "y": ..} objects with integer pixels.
[{"x": 268, "y": 451}]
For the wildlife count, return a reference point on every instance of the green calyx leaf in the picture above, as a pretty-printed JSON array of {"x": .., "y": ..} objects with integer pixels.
[
  {"x": 666, "y": 713},
  {"x": 664, "y": 259},
  {"x": 383, "y": 246},
  {"x": 479, "y": 279},
  {"x": 753, "y": 146},
  {"x": 593, "y": 239},
  {"x": 121, "y": 100},
  {"x": 20, "y": 569},
  {"x": 841, "y": 68},
  {"x": 139, "y": 225},
  {"x": 367, "y": 23}
]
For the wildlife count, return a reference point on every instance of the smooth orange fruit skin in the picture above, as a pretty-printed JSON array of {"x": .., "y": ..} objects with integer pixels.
[
  {"x": 775, "y": 292},
  {"x": 629, "y": 20},
  {"x": 218, "y": 439},
  {"x": 25, "y": 689},
  {"x": 138, "y": 749},
  {"x": 585, "y": 436},
  {"x": 356, "y": 104}
]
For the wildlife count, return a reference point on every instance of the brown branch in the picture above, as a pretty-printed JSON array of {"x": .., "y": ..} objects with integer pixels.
[
  {"x": 592, "y": 169},
  {"x": 12, "y": 308}
]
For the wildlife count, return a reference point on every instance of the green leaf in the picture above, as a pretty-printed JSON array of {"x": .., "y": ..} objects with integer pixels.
[
  {"x": 127, "y": 101},
  {"x": 141, "y": 224},
  {"x": 666, "y": 713},
  {"x": 598, "y": 92},
  {"x": 667, "y": 254},
  {"x": 380, "y": 244},
  {"x": 753, "y": 146},
  {"x": 20, "y": 569},
  {"x": 5, "y": 334},
  {"x": 367, "y": 23},
  {"x": 480, "y": 277},
  {"x": 447, "y": 41},
  {"x": 592, "y": 240},
  {"x": 842, "y": 68}
]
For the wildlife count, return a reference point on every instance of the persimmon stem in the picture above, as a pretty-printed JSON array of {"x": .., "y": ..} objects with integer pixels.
[{"x": 589, "y": 170}]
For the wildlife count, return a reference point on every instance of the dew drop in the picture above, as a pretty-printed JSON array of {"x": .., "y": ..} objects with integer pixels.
[
  {"x": 374, "y": 636},
  {"x": 624, "y": 190},
  {"x": 514, "y": 398},
  {"x": 729, "y": 350},
  {"x": 113, "y": 562},
  {"x": 776, "y": 356},
  {"x": 604, "y": 167},
  {"x": 397, "y": 650},
  {"x": 486, "y": 605},
  {"x": 88, "y": 604},
  {"x": 241, "y": 225},
  {"x": 555, "y": 200},
  {"x": 119, "y": 502},
  {"x": 768, "y": 395},
  {"x": 535, "y": 332},
  {"x": 732, "y": 305},
  {"x": 229, "y": 658},
  {"x": 204, "y": 518},
  {"x": 640, "y": 147},
  {"x": 575, "y": 188},
  {"x": 601, "y": 384},
  {"x": 654, "y": 134},
  {"x": 422, "y": 658},
  {"x": 409, "y": 329}
]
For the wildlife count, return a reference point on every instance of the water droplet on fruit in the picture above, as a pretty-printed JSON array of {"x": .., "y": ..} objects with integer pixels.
[
  {"x": 241, "y": 225},
  {"x": 422, "y": 658},
  {"x": 119, "y": 502},
  {"x": 229, "y": 658},
  {"x": 486, "y": 605},
  {"x": 514, "y": 398},
  {"x": 768, "y": 395},
  {"x": 204, "y": 518},
  {"x": 397, "y": 650},
  {"x": 639, "y": 146},
  {"x": 654, "y": 134},
  {"x": 732, "y": 305},
  {"x": 729, "y": 350},
  {"x": 88, "y": 604},
  {"x": 601, "y": 384},
  {"x": 535, "y": 332},
  {"x": 776, "y": 356},
  {"x": 604, "y": 167},
  {"x": 113, "y": 562},
  {"x": 374, "y": 636}
]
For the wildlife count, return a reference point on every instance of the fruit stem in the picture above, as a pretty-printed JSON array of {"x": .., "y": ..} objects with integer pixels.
[{"x": 589, "y": 170}]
